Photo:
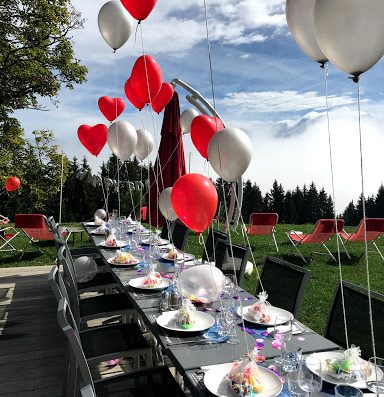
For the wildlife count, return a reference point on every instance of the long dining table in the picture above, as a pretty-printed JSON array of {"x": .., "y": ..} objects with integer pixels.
[{"x": 190, "y": 353}]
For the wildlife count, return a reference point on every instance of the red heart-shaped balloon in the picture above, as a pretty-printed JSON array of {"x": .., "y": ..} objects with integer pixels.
[
  {"x": 111, "y": 107},
  {"x": 202, "y": 130},
  {"x": 139, "y": 9},
  {"x": 146, "y": 78},
  {"x": 12, "y": 183},
  {"x": 194, "y": 199},
  {"x": 163, "y": 97},
  {"x": 93, "y": 138},
  {"x": 132, "y": 96}
]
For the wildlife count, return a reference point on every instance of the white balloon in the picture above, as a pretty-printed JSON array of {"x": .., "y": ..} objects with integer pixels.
[
  {"x": 144, "y": 144},
  {"x": 115, "y": 24},
  {"x": 100, "y": 213},
  {"x": 230, "y": 152},
  {"x": 186, "y": 119},
  {"x": 165, "y": 205},
  {"x": 350, "y": 33},
  {"x": 122, "y": 139},
  {"x": 85, "y": 269},
  {"x": 299, "y": 15},
  {"x": 204, "y": 282}
]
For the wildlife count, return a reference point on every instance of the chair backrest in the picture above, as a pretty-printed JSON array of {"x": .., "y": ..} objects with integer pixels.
[
  {"x": 356, "y": 310},
  {"x": 180, "y": 234},
  {"x": 374, "y": 228},
  {"x": 324, "y": 230},
  {"x": 164, "y": 231},
  {"x": 210, "y": 244},
  {"x": 87, "y": 391},
  {"x": 227, "y": 256},
  {"x": 285, "y": 284},
  {"x": 65, "y": 259},
  {"x": 262, "y": 223},
  {"x": 34, "y": 225},
  {"x": 57, "y": 285},
  {"x": 68, "y": 325}
]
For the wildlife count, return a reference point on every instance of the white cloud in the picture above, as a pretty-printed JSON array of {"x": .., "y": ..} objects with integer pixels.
[{"x": 281, "y": 101}]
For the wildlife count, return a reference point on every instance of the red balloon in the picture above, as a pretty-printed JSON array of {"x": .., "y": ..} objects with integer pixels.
[
  {"x": 111, "y": 107},
  {"x": 194, "y": 199},
  {"x": 93, "y": 138},
  {"x": 163, "y": 97},
  {"x": 146, "y": 78},
  {"x": 132, "y": 96},
  {"x": 12, "y": 183},
  {"x": 139, "y": 9},
  {"x": 203, "y": 128}
]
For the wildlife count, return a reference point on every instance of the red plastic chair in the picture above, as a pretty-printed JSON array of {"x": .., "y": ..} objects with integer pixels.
[
  {"x": 35, "y": 227},
  {"x": 374, "y": 229},
  {"x": 324, "y": 230},
  {"x": 263, "y": 224},
  {"x": 143, "y": 213}
]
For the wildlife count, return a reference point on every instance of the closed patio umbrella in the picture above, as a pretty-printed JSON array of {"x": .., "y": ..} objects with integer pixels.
[{"x": 170, "y": 162}]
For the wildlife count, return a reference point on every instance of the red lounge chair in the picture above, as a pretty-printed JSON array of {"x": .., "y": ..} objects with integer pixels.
[
  {"x": 7, "y": 234},
  {"x": 322, "y": 232},
  {"x": 263, "y": 224},
  {"x": 35, "y": 227},
  {"x": 374, "y": 229}
]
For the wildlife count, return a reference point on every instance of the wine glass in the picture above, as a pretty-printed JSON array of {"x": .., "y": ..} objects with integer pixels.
[
  {"x": 375, "y": 381},
  {"x": 347, "y": 391},
  {"x": 282, "y": 333},
  {"x": 232, "y": 313},
  {"x": 310, "y": 375}
]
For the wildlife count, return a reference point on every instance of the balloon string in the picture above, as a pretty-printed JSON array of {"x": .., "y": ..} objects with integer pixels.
[
  {"x": 324, "y": 66},
  {"x": 129, "y": 184},
  {"x": 365, "y": 227},
  {"x": 222, "y": 181}
]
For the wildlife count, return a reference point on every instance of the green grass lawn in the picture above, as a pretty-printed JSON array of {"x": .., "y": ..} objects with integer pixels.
[{"x": 324, "y": 272}]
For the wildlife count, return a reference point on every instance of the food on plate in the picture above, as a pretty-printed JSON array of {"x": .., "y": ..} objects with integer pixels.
[
  {"x": 244, "y": 377},
  {"x": 184, "y": 316},
  {"x": 98, "y": 221},
  {"x": 348, "y": 365},
  {"x": 173, "y": 254},
  {"x": 124, "y": 258},
  {"x": 152, "y": 279},
  {"x": 111, "y": 241},
  {"x": 259, "y": 310}
]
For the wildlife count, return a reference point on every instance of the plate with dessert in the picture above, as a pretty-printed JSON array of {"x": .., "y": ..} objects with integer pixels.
[
  {"x": 221, "y": 381},
  {"x": 263, "y": 314},
  {"x": 100, "y": 231},
  {"x": 194, "y": 321},
  {"x": 155, "y": 241},
  {"x": 340, "y": 368},
  {"x": 114, "y": 243},
  {"x": 93, "y": 224},
  {"x": 174, "y": 255},
  {"x": 124, "y": 259},
  {"x": 152, "y": 281}
]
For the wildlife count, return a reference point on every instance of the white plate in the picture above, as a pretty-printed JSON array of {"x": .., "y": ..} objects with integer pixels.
[
  {"x": 148, "y": 241},
  {"x": 119, "y": 244},
  {"x": 95, "y": 233},
  {"x": 179, "y": 257},
  {"x": 138, "y": 283},
  {"x": 203, "y": 321},
  {"x": 110, "y": 261},
  {"x": 215, "y": 381},
  {"x": 92, "y": 224},
  {"x": 360, "y": 384},
  {"x": 272, "y": 311}
]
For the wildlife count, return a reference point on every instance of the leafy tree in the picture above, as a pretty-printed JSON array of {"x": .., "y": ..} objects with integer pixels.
[{"x": 36, "y": 53}]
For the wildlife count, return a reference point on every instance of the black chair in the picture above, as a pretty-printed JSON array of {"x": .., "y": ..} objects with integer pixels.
[
  {"x": 227, "y": 256},
  {"x": 101, "y": 281},
  {"x": 357, "y": 316},
  {"x": 179, "y": 235},
  {"x": 285, "y": 284},
  {"x": 210, "y": 244},
  {"x": 152, "y": 382}
]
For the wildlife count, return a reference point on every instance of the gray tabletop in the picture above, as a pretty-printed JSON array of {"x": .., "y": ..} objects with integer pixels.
[{"x": 189, "y": 352}]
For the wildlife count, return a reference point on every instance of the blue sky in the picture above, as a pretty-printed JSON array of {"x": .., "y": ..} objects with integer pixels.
[{"x": 264, "y": 84}]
